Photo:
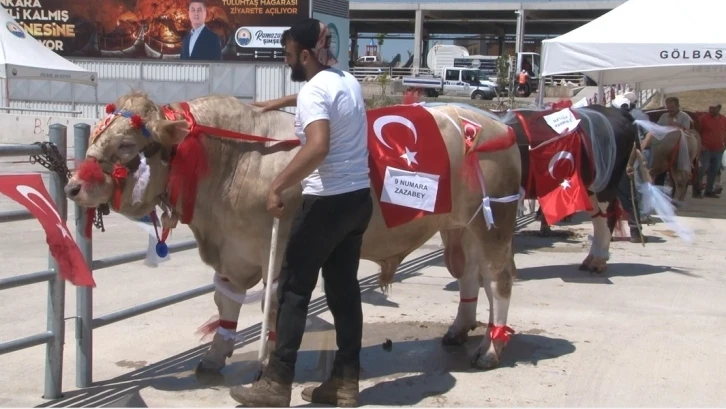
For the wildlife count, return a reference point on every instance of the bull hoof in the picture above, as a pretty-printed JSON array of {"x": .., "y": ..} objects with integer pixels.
[
  {"x": 598, "y": 269},
  {"x": 585, "y": 265},
  {"x": 209, "y": 367},
  {"x": 598, "y": 266},
  {"x": 485, "y": 360},
  {"x": 455, "y": 338},
  {"x": 545, "y": 231}
]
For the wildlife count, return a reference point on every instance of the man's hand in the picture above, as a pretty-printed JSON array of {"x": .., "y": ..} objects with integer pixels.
[
  {"x": 630, "y": 171},
  {"x": 265, "y": 105},
  {"x": 275, "y": 104},
  {"x": 275, "y": 206}
]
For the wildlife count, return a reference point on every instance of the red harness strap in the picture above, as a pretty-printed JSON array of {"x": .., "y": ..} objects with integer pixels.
[{"x": 188, "y": 165}]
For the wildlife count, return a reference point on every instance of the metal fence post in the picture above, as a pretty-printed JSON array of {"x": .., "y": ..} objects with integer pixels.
[
  {"x": 84, "y": 295},
  {"x": 56, "y": 285}
]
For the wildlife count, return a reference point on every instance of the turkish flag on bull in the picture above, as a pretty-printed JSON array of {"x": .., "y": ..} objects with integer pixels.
[
  {"x": 29, "y": 191},
  {"x": 471, "y": 130},
  {"x": 556, "y": 169},
  {"x": 409, "y": 163}
]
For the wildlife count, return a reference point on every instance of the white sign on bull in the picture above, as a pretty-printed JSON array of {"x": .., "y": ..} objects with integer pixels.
[
  {"x": 416, "y": 190},
  {"x": 562, "y": 121}
]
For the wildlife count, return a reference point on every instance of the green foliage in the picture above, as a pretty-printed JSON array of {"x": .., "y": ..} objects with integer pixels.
[{"x": 503, "y": 69}]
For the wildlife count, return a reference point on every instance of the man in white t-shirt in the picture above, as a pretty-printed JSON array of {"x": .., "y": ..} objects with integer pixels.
[{"x": 327, "y": 229}]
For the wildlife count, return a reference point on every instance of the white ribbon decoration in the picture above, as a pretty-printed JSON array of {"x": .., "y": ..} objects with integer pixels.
[{"x": 486, "y": 205}]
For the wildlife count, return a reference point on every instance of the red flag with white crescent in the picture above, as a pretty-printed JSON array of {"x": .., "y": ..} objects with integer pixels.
[
  {"x": 471, "y": 131},
  {"x": 409, "y": 163},
  {"x": 29, "y": 191},
  {"x": 556, "y": 169}
]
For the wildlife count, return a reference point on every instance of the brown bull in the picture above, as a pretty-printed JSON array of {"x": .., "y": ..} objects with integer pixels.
[
  {"x": 233, "y": 229},
  {"x": 665, "y": 155}
]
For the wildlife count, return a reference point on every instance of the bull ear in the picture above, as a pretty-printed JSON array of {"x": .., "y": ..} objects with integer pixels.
[{"x": 169, "y": 133}]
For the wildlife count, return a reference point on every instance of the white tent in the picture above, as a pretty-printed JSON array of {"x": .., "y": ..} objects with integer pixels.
[
  {"x": 672, "y": 45},
  {"x": 24, "y": 57}
]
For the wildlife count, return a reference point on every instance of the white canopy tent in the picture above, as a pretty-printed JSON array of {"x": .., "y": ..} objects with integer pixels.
[
  {"x": 669, "y": 45},
  {"x": 23, "y": 57}
]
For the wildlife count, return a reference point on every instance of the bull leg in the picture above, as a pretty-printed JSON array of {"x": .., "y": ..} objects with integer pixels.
[
  {"x": 465, "y": 320},
  {"x": 596, "y": 260},
  {"x": 498, "y": 287},
  {"x": 544, "y": 228},
  {"x": 224, "y": 339}
]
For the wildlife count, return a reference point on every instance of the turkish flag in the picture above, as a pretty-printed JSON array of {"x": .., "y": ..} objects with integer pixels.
[
  {"x": 556, "y": 169},
  {"x": 406, "y": 146},
  {"x": 471, "y": 131},
  {"x": 29, "y": 191}
]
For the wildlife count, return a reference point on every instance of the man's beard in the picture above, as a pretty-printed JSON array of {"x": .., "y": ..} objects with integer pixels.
[{"x": 297, "y": 73}]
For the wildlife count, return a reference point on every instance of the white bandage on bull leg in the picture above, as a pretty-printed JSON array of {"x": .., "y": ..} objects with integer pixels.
[
  {"x": 229, "y": 301},
  {"x": 497, "y": 329}
]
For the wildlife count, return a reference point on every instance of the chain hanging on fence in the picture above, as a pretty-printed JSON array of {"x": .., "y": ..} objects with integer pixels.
[{"x": 52, "y": 160}]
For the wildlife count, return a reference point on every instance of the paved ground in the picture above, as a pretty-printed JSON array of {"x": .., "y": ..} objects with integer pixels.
[{"x": 648, "y": 333}]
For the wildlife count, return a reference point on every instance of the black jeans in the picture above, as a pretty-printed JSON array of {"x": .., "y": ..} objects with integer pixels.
[{"x": 327, "y": 232}]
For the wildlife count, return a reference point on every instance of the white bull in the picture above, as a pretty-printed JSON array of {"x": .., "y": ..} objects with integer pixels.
[{"x": 233, "y": 229}]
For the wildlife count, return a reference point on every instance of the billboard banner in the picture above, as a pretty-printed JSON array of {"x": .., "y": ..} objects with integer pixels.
[
  {"x": 206, "y": 30},
  {"x": 340, "y": 41}
]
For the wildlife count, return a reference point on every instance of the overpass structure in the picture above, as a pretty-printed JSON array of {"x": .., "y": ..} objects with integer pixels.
[{"x": 484, "y": 18}]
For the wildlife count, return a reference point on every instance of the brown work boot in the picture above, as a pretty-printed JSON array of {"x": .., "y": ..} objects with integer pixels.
[
  {"x": 274, "y": 389},
  {"x": 335, "y": 391}
]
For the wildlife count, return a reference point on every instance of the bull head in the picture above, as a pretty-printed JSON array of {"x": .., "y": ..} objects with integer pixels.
[{"x": 126, "y": 164}]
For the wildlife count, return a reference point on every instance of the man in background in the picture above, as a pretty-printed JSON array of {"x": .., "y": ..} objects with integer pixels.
[
  {"x": 713, "y": 132},
  {"x": 200, "y": 43}
]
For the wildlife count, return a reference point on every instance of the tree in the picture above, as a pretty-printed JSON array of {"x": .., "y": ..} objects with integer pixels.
[{"x": 380, "y": 37}]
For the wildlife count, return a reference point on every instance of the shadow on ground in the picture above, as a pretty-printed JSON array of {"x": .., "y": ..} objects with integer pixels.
[{"x": 417, "y": 367}]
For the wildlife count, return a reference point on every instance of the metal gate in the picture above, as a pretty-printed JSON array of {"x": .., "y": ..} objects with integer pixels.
[
  {"x": 85, "y": 322},
  {"x": 54, "y": 336}
]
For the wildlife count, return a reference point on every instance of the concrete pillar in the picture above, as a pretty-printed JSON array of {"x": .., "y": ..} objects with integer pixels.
[
  {"x": 353, "y": 46},
  {"x": 417, "y": 41},
  {"x": 519, "y": 42}
]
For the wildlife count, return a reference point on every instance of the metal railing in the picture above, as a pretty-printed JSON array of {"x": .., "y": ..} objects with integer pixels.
[
  {"x": 369, "y": 74},
  {"x": 54, "y": 336},
  {"x": 85, "y": 322}
]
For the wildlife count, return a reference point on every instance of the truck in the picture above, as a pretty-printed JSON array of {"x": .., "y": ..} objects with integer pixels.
[
  {"x": 443, "y": 55},
  {"x": 487, "y": 66},
  {"x": 456, "y": 81}
]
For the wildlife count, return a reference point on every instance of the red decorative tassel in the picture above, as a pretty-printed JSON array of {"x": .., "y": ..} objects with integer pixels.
[
  {"x": 500, "y": 333},
  {"x": 110, "y": 108},
  {"x": 136, "y": 121},
  {"x": 119, "y": 173},
  {"x": 188, "y": 166},
  {"x": 89, "y": 171},
  {"x": 209, "y": 328}
]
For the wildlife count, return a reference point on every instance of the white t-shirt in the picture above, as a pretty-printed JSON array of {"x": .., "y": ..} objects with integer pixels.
[
  {"x": 681, "y": 119},
  {"x": 336, "y": 96}
]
